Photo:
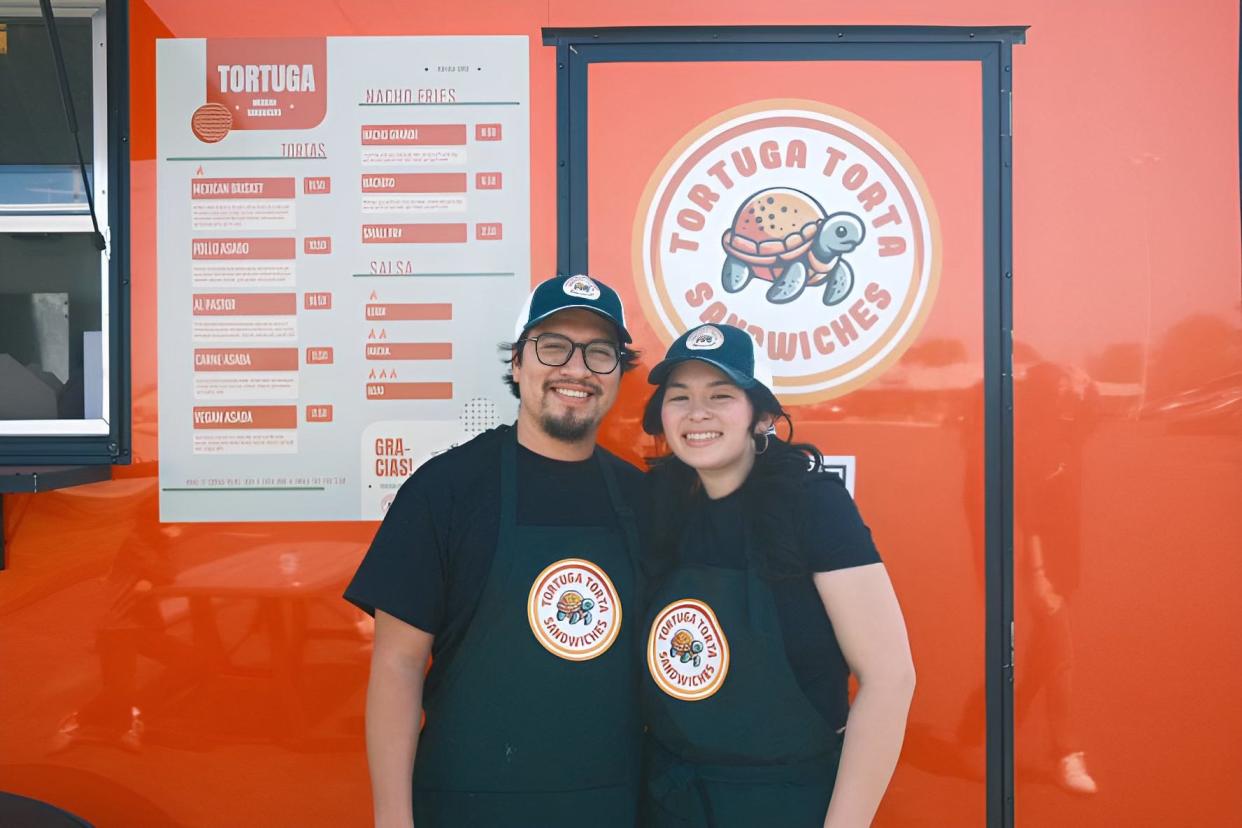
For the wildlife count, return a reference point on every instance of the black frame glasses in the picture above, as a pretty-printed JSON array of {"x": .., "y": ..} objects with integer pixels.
[{"x": 551, "y": 347}]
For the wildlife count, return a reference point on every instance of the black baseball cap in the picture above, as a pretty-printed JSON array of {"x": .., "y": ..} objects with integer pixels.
[
  {"x": 578, "y": 291},
  {"x": 728, "y": 348}
]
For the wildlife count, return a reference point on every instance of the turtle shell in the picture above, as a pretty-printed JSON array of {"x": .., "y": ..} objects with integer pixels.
[
  {"x": 773, "y": 226},
  {"x": 682, "y": 641},
  {"x": 569, "y": 602}
]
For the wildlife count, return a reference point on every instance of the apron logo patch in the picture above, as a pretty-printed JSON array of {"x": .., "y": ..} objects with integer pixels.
[
  {"x": 687, "y": 652},
  {"x": 573, "y": 610}
]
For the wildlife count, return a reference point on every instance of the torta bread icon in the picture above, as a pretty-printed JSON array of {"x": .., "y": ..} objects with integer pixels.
[{"x": 211, "y": 122}]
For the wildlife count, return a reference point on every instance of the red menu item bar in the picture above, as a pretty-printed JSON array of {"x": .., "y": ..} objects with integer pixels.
[
  {"x": 409, "y": 390},
  {"x": 409, "y": 350},
  {"x": 432, "y": 135},
  {"x": 245, "y": 416},
  {"x": 242, "y": 188},
  {"x": 245, "y": 359},
  {"x": 245, "y": 304},
  {"x": 411, "y": 312},
  {"x": 413, "y": 233},
  {"x": 414, "y": 183},
  {"x": 209, "y": 249}
]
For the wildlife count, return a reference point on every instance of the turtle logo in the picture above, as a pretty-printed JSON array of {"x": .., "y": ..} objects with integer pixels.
[
  {"x": 800, "y": 223},
  {"x": 687, "y": 652},
  {"x": 706, "y": 338},
  {"x": 571, "y": 607},
  {"x": 573, "y": 610},
  {"x": 782, "y": 235},
  {"x": 581, "y": 287},
  {"x": 686, "y": 648}
]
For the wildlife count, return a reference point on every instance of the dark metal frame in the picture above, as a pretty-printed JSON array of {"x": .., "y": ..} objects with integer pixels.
[
  {"x": 992, "y": 47},
  {"x": 114, "y": 447}
]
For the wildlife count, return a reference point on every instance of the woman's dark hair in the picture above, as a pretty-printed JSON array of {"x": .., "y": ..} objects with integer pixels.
[
  {"x": 511, "y": 354},
  {"x": 771, "y": 493}
]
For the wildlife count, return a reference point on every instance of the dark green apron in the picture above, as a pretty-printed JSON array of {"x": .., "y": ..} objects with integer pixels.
[
  {"x": 518, "y": 736},
  {"x": 756, "y": 752}
]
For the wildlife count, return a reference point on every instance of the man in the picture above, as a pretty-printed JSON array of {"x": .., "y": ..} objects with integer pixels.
[{"x": 510, "y": 561}]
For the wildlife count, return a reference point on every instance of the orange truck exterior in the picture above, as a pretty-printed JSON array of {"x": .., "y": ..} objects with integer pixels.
[{"x": 236, "y": 694}]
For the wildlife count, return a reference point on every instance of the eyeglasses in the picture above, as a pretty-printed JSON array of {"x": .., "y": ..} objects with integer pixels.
[{"x": 555, "y": 350}]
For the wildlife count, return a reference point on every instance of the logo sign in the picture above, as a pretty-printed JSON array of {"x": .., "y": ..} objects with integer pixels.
[
  {"x": 261, "y": 83},
  {"x": 706, "y": 338},
  {"x": 573, "y": 610},
  {"x": 581, "y": 287},
  {"x": 800, "y": 223},
  {"x": 687, "y": 653}
]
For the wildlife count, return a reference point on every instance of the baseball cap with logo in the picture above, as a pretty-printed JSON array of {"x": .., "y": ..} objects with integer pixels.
[
  {"x": 579, "y": 291},
  {"x": 725, "y": 347}
]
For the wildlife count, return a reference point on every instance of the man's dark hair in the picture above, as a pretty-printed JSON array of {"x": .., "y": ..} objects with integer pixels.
[{"x": 511, "y": 354}]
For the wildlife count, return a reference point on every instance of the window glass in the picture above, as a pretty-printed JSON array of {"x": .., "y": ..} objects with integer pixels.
[
  {"x": 38, "y": 164},
  {"x": 51, "y": 319}
]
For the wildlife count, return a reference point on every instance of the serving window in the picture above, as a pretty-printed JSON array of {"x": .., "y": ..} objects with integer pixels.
[{"x": 61, "y": 331}]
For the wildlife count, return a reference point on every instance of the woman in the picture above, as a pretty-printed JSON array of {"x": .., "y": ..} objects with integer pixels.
[{"x": 767, "y": 593}]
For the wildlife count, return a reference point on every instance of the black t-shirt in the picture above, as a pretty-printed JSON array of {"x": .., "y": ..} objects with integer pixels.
[
  {"x": 832, "y": 536},
  {"x": 433, "y": 553}
]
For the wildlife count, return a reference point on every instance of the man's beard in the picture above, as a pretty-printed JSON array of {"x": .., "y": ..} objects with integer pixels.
[{"x": 567, "y": 428}]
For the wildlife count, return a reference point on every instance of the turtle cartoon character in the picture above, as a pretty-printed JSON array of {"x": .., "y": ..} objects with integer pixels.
[
  {"x": 784, "y": 236},
  {"x": 571, "y": 605},
  {"x": 684, "y": 646}
]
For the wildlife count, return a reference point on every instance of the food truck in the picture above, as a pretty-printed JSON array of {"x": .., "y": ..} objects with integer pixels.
[{"x": 257, "y": 277}]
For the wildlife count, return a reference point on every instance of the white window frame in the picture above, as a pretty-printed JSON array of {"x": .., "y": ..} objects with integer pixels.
[{"x": 78, "y": 221}]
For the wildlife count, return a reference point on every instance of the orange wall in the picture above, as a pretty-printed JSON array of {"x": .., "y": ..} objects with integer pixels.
[{"x": 1128, "y": 341}]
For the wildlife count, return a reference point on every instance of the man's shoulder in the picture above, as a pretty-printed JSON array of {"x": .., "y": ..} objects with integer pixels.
[
  {"x": 460, "y": 465},
  {"x": 627, "y": 473},
  {"x": 632, "y": 482}
]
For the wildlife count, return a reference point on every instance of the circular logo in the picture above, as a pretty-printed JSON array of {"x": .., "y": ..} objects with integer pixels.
[
  {"x": 687, "y": 652},
  {"x": 211, "y": 122},
  {"x": 706, "y": 338},
  {"x": 804, "y": 225},
  {"x": 581, "y": 287},
  {"x": 573, "y": 610}
]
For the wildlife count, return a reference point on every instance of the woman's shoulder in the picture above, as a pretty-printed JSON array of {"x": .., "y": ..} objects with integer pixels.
[
  {"x": 824, "y": 490},
  {"x": 834, "y": 534}
]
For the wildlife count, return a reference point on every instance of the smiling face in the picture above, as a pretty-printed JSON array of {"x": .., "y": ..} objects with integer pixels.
[
  {"x": 561, "y": 407},
  {"x": 707, "y": 423}
]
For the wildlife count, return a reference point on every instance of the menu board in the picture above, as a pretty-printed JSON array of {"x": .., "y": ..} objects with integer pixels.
[{"x": 343, "y": 241}]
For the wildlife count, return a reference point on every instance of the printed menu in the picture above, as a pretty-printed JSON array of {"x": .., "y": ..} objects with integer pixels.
[{"x": 343, "y": 241}]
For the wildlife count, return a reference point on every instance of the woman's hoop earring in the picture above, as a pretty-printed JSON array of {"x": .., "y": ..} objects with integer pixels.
[{"x": 767, "y": 439}]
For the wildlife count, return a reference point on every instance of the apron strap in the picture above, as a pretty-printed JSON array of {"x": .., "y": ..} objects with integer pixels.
[
  {"x": 625, "y": 515},
  {"x": 759, "y": 606},
  {"x": 508, "y": 480},
  {"x": 504, "y": 556}
]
